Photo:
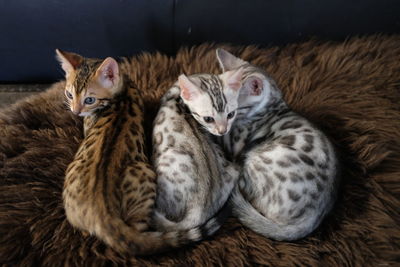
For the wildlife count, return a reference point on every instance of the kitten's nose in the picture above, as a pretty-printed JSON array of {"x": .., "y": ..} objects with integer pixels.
[
  {"x": 221, "y": 129},
  {"x": 76, "y": 108}
]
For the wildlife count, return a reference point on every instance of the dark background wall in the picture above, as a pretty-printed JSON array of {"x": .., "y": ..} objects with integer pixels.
[{"x": 31, "y": 29}]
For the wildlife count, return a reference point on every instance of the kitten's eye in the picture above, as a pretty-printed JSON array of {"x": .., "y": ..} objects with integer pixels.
[
  {"x": 68, "y": 94},
  {"x": 231, "y": 114},
  {"x": 89, "y": 100},
  {"x": 208, "y": 119}
]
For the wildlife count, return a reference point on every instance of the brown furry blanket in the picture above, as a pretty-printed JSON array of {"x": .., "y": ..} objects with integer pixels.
[{"x": 351, "y": 90}]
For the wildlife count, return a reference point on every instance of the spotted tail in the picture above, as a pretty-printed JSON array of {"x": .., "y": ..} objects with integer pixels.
[{"x": 252, "y": 219}]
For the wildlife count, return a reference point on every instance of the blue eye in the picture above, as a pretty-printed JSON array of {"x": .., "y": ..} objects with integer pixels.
[
  {"x": 90, "y": 100},
  {"x": 68, "y": 94},
  {"x": 231, "y": 114}
]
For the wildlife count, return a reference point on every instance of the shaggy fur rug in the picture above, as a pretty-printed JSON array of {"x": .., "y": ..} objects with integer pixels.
[{"x": 351, "y": 90}]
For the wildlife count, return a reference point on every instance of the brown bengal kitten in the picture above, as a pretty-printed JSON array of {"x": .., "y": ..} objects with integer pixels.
[{"x": 110, "y": 187}]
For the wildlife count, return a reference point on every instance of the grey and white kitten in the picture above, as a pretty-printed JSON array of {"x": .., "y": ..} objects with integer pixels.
[
  {"x": 194, "y": 179},
  {"x": 288, "y": 180}
]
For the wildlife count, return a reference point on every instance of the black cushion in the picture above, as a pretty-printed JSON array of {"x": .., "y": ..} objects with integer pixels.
[{"x": 31, "y": 30}]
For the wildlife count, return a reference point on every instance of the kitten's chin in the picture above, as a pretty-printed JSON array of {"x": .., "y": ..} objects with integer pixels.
[{"x": 84, "y": 114}]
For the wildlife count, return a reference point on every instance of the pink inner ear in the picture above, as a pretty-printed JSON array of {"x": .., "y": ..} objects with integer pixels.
[
  {"x": 187, "y": 88},
  {"x": 109, "y": 73},
  {"x": 185, "y": 94},
  {"x": 256, "y": 87}
]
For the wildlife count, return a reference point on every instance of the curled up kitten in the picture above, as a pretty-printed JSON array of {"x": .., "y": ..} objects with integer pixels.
[
  {"x": 289, "y": 168},
  {"x": 194, "y": 178},
  {"x": 110, "y": 187}
]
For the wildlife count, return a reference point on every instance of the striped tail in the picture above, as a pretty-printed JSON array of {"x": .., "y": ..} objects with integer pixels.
[{"x": 128, "y": 240}]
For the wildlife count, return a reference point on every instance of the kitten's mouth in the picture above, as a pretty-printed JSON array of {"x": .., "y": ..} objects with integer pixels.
[{"x": 219, "y": 134}]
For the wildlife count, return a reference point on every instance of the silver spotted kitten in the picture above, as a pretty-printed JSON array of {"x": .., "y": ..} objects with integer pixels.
[
  {"x": 288, "y": 180},
  {"x": 194, "y": 180}
]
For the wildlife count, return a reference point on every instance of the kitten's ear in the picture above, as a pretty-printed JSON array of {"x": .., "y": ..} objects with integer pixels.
[
  {"x": 188, "y": 89},
  {"x": 108, "y": 73},
  {"x": 234, "y": 79},
  {"x": 227, "y": 61},
  {"x": 69, "y": 61},
  {"x": 253, "y": 86}
]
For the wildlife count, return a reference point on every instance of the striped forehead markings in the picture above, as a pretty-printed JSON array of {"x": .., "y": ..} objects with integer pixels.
[
  {"x": 213, "y": 86},
  {"x": 84, "y": 74}
]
